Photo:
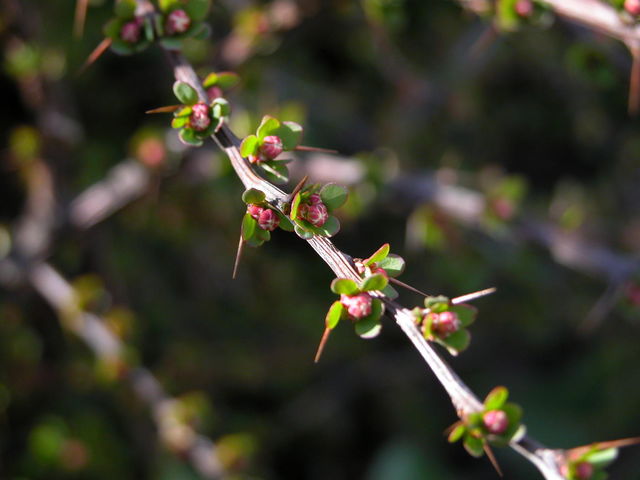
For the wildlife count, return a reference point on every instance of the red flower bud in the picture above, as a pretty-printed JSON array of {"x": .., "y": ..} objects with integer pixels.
[
  {"x": 214, "y": 92},
  {"x": 130, "y": 32},
  {"x": 632, "y": 6},
  {"x": 524, "y": 8},
  {"x": 584, "y": 470},
  {"x": 199, "y": 119},
  {"x": 271, "y": 147},
  {"x": 315, "y": 199},
  {"x": 358, "y": 306},
  {"x": 254, "y": 210},
  {"x": 496, "y": 421},
  {"x": 177, "y": 22},
  {"x": 316, "y": 215},
  {"x": 445, "y": 323},
  {"x": 268, "y": 220}
]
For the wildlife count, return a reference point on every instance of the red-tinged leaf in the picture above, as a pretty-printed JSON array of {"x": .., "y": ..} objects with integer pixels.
[{"x": 378, "y": 255}]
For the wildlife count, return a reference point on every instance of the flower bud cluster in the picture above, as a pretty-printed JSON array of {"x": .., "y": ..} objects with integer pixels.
[
  {"x": 632, "y": 6},
  {"x": 358, "y": 306},
  {"x": 315, "y": 212},
  {"x": 177, "y": 22},
  {"x": 267, "y": 219},
  {"x": 200, "y": 117},
  {"x": 270, "y": 148},
  {"x": 495, "y": 421},
  {"x": 131, "y": 31}
]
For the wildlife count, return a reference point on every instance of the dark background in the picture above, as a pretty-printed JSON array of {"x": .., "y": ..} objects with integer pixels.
[{"x": 421, "y": 89}]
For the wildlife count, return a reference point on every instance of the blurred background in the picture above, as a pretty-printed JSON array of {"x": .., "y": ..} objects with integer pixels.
[{"x": 484, "y": 159}]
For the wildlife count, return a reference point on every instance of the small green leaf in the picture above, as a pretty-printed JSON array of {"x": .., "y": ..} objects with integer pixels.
[
  {"x": 466, "y": 313},
  {"x": 188, "y": 137},
  {"x": 197, "y": 9},
  {"x": 376, "y": 281},
  {"x": 166, "y": 5},
  {"x": 369, "y": 326},
  {"x": 147, "y": 27},
  {"x": 227, "y": 80},
  {"x": 437, "y": 304},
  {"x": 330, "y": 227},
  {"x": 253, "y": 195},
  {"x": 210, "y": 80},
  {"x": 171, "y": 43},
  {"x": 378, "y": 255},
  {"x": 333, "y": 196},
  {"x": 392, "y": 264},
  {"x": 602, "y": 458},
  {"x": 514, "y": 414},
  {"x": 112, "y": 28},
  {"x": 185, "y": 93},
  {"x": 285, "y": 224},
  {"x": 295, "y": 204},
  {"x": 268, "y": 125},
  {"x": 199, "y": 31},
  {"x": 220, "y": 107},
  {"x": 290, "y": 133},
  {"x": 125, "y": 9},
  {"x": 249, "y": 146},
  {"x": 390, "y": 292},
  {"x": 344, "y": 286},
  {"x": 474, "y": 445},
  {"x": 496, "y": 398},
  {"x": 334, "y": 315},
  {"x": 457, "y": 341},
  {"x": 179, "y": 122},
  {"x": 457, "y": 432},
  {"x": 302, "y": 233},
  {"x": 249, "y": 227},
  {"x": 263, "y": 235},
  {"x": 183, "y": 112},
  {"x": 276, "y": 172}
]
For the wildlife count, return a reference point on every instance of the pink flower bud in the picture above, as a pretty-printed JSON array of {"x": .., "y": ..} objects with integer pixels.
[
  {"x": 445, "y": 323},
  {"x": 584, "y": 471},
  {"x": 199, "y": 119},
  {"x": 214, "y": 92},
  {"x": 316, "y": 215},
  {"x": 130, "y": 32},
  {"x": 254, "y": 210},
  {"x": 496, "y": 421},
  {"x": 632, "y": 6},
  {"x": 315, "y": 199},
  {"x": 271, "y": 147},
  {"x": 268, "y": 220},
  {"x": 177, "y": 22},
  {"x": 524, "y": 8},
  {"x": 358, "y": 306}
]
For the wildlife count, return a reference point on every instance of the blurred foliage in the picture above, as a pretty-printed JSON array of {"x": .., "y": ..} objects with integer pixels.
[{"x": 534, "y": 120}]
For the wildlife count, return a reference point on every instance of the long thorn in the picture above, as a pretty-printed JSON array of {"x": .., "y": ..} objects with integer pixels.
[
  {"x": 95, "y": 55},
  {"x": 472, "y": 296},
  {"x": 408, "y": 287},
  {"x": 167, "y": 109},
  {"x": 323, "y": 342},
  {"x": 238, "y": 255},
  {"x": 298, "y": 187},
  {"x": 80, "y": 16},
  {"x": 492, "y": 458},
  {"x": 304, "y": 148}
]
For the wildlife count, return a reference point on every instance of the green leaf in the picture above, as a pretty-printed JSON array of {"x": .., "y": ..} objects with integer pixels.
[
  {"x": 302, "y": 233},
  {"x": 496, "y": 398},
  {"x": 457, "y": 341},
  {"x": 221, "y": 108},
  {"x": 507, "y": 18},
  {"x": 602, "y": 458},
  {"x": 227, "y": 80},
  {"x": 112, "y": 28},
  {"x": 253, "y": 195},
  {"x": 199, "y": 31},
  {"x": 378, "y": 255},
  {"x": 344, "y": 286},
  {"x": 466, "y": 313},
  {"x": 392, "y": 264},
  {"x": 268, "y": 125},
  {"x": 171, "y": 43},
  {"x": 330, "y": 227},
  {"x": 457, "y": 432},
  {"x": 188, "y": 137},
  {"x": 249, "y": 146},
  {"x": 333, "y": 196},
  {"x": 437, "y": 304},
  {"x": 179, "y": 122},
  {"x": 183, "y": 112},
  {"x": 122, "y": 48},
  {"x": 147, "y": 27},
  {"x": 185, "y": 93},
  {"x": 249, "y": 227},
  {"x": 599, "y": 475},
  {"x": 290, "y": 133},
  {"x": 390, "y": 292},
  {"x": 276, "y": 172},
  {"x": 295, "y": 204},
  {"x": 334, "y": 315},
  {"x": 514, "y": 414},
  {"x": 369, "y": 326},
  {"x": 376, "y": 281},
  {"x": 285, "y": 224},
  {"x": 125, "y": 9},
  {"x": 197, "y": 9},
  {"x": 166, "y": 5},
  {"x": 263, "y": 235},
  {"x": 474, "y": 445}
]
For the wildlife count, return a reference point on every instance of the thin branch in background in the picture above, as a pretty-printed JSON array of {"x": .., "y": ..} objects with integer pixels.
[
  {"x": 634, "y": 81},
  {"x": 80, "y": 17}
]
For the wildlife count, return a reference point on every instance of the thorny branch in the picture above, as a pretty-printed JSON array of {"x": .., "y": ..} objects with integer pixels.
[{"x": 463, "y": 399}]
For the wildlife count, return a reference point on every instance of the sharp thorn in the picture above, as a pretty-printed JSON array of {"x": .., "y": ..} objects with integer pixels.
[
  {"x": 95, "y": 55},
  {"x": 408, "y": 287},
  {"x": 323, "y": 342},
  {"x": 298, "y": 187},
  {"x": 167, "y": 109},
  {"x": 238, "y": 256},
  {"x": 472, "y": 296},
  {"x": 304, "y": 148},
  {"x": 492, "y": 458}
]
